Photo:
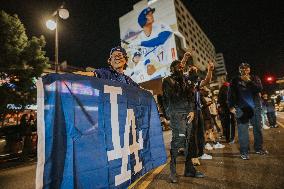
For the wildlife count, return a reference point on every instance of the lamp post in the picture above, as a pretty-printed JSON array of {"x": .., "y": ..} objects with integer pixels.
[{"x": 51, "y": 24}]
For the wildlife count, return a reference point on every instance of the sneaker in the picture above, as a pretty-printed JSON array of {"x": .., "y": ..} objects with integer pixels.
[
  {"x": 245, "y": 156},
  {"x": 173, "y": 178},
  {"x": 208, "y": 147},
  {"x": 232, "y": 142},
  {"x": 261, "y": 152},
  {"x": 265, "y": 127},
  {"x": 218, "y": 145},
  {"x": 195, "y": 161},
  {"x": 222, "y": 137},
  {"x": 197, "y": 174},
  {"x": 206, "y": 156}
]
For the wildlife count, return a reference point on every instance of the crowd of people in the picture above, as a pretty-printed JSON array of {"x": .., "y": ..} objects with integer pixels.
[{"x": 198, "y": 118}]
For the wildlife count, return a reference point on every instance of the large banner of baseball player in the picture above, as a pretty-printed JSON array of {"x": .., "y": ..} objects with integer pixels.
[
  {"x": 149, "y": 43},
  {"x": 95, "y": 133}
]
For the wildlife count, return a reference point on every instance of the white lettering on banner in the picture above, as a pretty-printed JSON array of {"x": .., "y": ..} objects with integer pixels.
[
  {"x": 116, "y": 152},
  {"x": 135, "y": 146},
  {"x": 126, "y": 150}
]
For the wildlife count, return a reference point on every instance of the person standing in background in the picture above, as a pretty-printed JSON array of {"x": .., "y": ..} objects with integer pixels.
[
  {"x": 228, "y": 119},
  {"x": 244, "y": 101},
  {"x": 270, "y": 110}
]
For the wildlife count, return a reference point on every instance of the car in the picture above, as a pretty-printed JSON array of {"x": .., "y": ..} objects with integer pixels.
[{"x": 12, "y": 142}]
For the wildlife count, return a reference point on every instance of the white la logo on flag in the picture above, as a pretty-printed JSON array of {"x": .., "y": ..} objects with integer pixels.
[{"x": 126, "y": 150}]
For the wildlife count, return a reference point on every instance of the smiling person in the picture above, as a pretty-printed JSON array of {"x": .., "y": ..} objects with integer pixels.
[{"x": 117, "y": 64}]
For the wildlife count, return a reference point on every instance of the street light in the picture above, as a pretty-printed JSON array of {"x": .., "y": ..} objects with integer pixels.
[{"x": 51, "y": 24}]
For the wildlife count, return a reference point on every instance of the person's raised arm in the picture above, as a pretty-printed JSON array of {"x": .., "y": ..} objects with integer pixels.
[
  {"x": 186, "y": 56},
  {"x": 208, "y": 77}
]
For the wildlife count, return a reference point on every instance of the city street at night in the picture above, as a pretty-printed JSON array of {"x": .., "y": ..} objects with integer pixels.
[
  {"x": 136, "y": 94},
  {"x": 225, "y": 170}
]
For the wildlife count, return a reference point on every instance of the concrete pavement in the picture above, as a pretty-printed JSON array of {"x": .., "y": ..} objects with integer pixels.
[{"x": 226, "y": 170}]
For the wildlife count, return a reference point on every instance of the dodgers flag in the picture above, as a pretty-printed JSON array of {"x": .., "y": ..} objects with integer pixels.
[{"x": 95, "y": 133}]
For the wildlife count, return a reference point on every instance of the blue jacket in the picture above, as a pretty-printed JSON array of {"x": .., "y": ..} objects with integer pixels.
[
  {"x": 244, "y": 94},
  {"x": 111, "y": 74}
]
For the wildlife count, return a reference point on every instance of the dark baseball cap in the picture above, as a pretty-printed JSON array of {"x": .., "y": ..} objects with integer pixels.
[
  {"x": 118, "y": 48},
  {"x": 244, "y": 65},
  {"x": 142, "y": 16}
]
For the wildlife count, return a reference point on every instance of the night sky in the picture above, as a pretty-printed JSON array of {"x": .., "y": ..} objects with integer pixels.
[{"x": 244, "y": 30}]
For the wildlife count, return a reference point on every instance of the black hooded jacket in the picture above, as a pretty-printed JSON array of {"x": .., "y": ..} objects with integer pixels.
[{"x": 178, "y": 94}]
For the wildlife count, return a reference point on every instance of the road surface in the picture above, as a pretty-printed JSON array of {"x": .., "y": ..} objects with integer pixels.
[{"x": 225, "y": 170}]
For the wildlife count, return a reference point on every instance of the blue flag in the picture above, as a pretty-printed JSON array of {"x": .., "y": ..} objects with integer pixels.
[{"x": 95, "y": 133}]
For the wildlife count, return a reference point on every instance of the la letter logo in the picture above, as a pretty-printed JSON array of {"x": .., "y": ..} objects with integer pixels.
[{"x": 119, "y": 151}]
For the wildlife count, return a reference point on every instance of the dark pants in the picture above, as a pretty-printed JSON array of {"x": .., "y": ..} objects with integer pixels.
[
  {"x": 197, "y": 139},
  {"x": 187, "y": 136},
  {"x": 215, "y": 122},
  {"x": 27, "y": 148},
  {"x": 271, "y": 118},
  {"x": 178, "y": 126},
  {"x": 228, "y": 121},
  {"x": 243, "y": 131}
]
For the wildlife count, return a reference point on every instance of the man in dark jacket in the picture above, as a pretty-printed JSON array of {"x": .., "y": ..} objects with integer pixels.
[
  {"x": 179, "y": 107},
  {"x": 227, "y": 118},
  {"x": 244, "y": 100}
]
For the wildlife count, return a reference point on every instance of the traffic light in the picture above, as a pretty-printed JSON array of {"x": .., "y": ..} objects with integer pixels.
[{"x": 269, "y": 79}]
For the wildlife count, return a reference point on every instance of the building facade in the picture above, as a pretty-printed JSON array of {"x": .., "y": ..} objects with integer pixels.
[
  {"x": 220, "y": 70},
  {"x": 194, "y": 37}
]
